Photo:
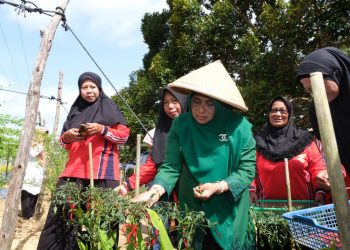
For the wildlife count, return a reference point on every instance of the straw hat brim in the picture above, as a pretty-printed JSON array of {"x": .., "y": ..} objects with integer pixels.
[{"x": 213, "y": 81}]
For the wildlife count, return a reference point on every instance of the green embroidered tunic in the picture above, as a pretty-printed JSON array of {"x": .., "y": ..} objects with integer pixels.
[{"x": 222, "y": 149}]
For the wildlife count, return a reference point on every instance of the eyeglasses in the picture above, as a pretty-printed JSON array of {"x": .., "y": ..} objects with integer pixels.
[{"x": 282, "y": 111}]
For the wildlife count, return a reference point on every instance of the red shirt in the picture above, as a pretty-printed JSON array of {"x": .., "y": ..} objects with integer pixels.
[
  {"x": 147, "y": 172},
  {"x": 270, "y": 180},
  {"x": 104, "y": 154}
]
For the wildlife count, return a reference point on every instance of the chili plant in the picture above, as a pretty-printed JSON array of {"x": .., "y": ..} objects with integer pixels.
[
  {"x": 271, "y": 229},
  {"x": 97, "y": 214},
  {"x": 182, "y": 222}
]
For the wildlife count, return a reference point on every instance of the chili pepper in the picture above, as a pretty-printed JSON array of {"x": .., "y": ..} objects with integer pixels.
[
  {"x": 88, "y": 204},
  {"x": 198, "y": 188},
  {"x": 154, "y": 239},
  {"x": 132, "y": 233},
  {"x": 72, "y": 206},
  {"x": 185, "y": 244}
]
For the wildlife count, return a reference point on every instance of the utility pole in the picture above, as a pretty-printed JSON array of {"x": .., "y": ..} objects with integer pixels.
[
  {"x": 58, "y": 103},
  {"x": 9, "y": 219}
]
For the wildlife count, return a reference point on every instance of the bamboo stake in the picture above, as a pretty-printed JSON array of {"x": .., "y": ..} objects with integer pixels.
[
  {"x": 289, "y": 194},
  {"x": 91, "y": 164},
  {"x": 330, "y": 147},
  {"x": 137, "y": 167}
]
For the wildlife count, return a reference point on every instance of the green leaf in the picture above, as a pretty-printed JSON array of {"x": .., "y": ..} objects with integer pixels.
[
  {"x": 106, "y": 243},
  {"x": 165, "y": 242},
  {"x": 82, "y": 245}
]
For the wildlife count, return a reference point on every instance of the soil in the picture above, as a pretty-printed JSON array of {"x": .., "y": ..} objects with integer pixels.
[{"x": 27, "y": 232}]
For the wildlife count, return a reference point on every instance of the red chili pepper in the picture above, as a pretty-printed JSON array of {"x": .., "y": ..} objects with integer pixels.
[
  {"x": 185, "y": 243},
  {"x": 131, "y": 233},
  {"x": 154, "y": 239},
  {"x": 88, "y": 204},
  {"x": 72, "y": 206}
]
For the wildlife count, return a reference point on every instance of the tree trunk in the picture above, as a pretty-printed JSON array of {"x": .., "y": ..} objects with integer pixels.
[{"x": 32, "y": 102}]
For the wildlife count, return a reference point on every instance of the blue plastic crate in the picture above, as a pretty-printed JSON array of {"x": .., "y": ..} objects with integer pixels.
[{"x": 314, "y": 227}]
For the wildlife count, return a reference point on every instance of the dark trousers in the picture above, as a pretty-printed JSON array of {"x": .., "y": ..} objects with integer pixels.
[
  {"x": 209, "y": 243},
  {"x": 57, "y": 234},
  {"x": 28, "y": 202}
]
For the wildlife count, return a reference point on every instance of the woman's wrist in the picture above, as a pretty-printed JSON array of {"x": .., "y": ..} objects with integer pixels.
[
  {"x": 222, "y": 187},
  {"x": 157, "y": 190},
  {"x": 64, "y": 138}
]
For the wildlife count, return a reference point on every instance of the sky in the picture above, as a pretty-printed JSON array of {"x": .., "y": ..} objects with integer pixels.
[{"x": 109, "y": 30}]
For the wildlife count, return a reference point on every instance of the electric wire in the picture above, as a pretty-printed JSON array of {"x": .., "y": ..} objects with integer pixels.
[
  {"x": 103, "y": 73},
  {"x": 41, "y": 96},
  {"x": 23, "y": 49},
  {"x": 23, "y": 8},
  {"x": 9, "y": 52}
]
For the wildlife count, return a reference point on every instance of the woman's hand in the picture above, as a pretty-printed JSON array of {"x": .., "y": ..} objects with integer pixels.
[
  {"x": 121, "y": 189},
  {"x": 323, "y": 180},
  {"x": 72, "y": 135},
  {"x": 205, "y": 191},
  {"x": 93, "y": 128},
  {"x": 320, "y": 198},
  {"x": 151, "y": 196},
  {"x": 253, "y": 197}
]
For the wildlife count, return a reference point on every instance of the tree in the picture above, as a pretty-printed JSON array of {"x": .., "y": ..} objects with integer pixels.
[
  {"x": 259, "y": 42},
  {"x": 10, "y": 129}
]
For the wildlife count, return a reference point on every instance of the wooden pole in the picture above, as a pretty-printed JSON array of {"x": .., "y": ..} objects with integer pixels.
[
  {"x": 137, "y": 168},
  {"x": 9, "y": 218},
  {"x": 289, "y": 196},
  {"x": 58, "y": 104},
  {"x": 289, "y": 193},
  {"x": 336, "y": 179},
  {"x": 91, "y": 164}
]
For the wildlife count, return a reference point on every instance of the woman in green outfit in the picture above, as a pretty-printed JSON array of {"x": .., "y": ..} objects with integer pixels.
[{"x": 211, "y": 151}]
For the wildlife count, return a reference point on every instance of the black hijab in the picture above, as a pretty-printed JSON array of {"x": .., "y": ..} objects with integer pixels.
[
  {"x": 103, "y": 111},
  {"x": 163, "y": 127},
  {"x": 335, "y": 65},
  {"x": 275, "y": 144}
]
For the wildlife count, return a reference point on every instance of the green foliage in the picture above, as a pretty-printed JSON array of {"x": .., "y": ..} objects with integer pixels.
[
  {"x": 259, "y": 42},
  {"x": 155, "y": 31},
  {"x": 98, "y": 212},
  {"x": 187, "y": 221},
  {"x": 165, "y": 242},
  {"x": 271, "y": 229},
  {"x": 56, "y": 158},
  {"x": 3, "y": 180},
  {"x": 10, "y": 129}
]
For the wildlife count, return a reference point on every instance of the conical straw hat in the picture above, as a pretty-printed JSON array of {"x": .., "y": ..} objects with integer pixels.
[{"x": 213, "y": 81}]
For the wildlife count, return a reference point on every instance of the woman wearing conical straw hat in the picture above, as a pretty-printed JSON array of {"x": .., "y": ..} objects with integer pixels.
[{"x": 211, "y": 152}]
